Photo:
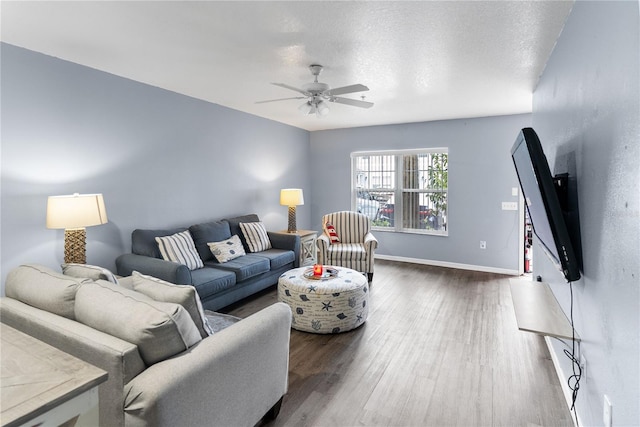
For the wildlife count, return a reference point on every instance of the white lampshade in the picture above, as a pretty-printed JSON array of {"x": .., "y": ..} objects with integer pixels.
[
  {"x": 291, "y": 197},
  {"x": 76, "y": 211}
]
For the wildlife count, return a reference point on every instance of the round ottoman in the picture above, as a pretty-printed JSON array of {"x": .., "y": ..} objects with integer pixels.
[{"x": 328, "y": 305}]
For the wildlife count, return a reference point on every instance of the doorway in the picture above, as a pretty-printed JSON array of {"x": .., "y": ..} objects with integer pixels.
[{"x": 525, "y": 253}]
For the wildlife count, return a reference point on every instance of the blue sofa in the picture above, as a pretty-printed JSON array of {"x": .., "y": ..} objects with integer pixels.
[{"x": 218, "y": 284}]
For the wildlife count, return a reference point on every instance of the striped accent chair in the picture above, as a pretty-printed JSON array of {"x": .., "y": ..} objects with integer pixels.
[{"x": 357, "y": 244}]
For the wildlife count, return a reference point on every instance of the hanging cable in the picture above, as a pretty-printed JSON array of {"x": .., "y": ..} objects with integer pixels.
[{"x": 574, "y": 380}]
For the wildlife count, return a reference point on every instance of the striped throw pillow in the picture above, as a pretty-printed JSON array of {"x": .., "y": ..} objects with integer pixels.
[
  {"x": 256, "y": 236},
  {"x": 180, "y": 248},
  {"x": 330, "y": 230}
]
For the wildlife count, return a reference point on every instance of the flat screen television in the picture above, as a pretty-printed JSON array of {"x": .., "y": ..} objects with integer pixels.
[{"x": 542, "y": 203}]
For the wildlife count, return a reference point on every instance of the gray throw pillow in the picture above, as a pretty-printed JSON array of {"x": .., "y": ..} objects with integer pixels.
[
  {"x": 159, "y": 329},
  {"x": 185, "y": 295},
  {"x": 86, "y": 271},
  {"x": 43, "y": 288}
]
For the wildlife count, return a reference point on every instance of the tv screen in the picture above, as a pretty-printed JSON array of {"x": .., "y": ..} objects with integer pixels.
[{"x": 542, "y": 203}]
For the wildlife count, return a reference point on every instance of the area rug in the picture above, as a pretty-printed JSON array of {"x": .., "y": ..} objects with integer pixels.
[{"x": 219, "y": 321}]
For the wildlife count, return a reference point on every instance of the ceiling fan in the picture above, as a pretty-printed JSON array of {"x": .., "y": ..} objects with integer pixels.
[{"x": 318, "y": 95}]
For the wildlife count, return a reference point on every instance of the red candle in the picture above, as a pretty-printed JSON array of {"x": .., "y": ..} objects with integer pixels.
[{"x": 317, "y": 270}]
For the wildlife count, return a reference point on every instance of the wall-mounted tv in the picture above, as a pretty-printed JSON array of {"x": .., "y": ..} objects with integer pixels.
[{"x": 542, "y": 203}]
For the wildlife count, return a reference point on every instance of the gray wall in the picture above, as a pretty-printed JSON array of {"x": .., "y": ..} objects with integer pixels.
[
  {"x": 160, "y": 159},
  {"x": 587, "y": 115},
  {"x": 481, "y": 176}
]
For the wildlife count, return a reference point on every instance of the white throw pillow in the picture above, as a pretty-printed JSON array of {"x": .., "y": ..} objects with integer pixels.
[
  {"x": 256, "y": 236},
  {"x": 180, "y": 248},
  {"x": 227, "y": 250}
]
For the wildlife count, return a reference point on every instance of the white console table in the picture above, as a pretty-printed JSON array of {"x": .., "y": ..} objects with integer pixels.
[{"x": 538, "y": 311}]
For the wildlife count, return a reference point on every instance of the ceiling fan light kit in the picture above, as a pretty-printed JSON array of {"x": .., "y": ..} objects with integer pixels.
[
  {"x": 322, "y": 108},
  {"x": 319, "y": 94},
  {"x": 305, "y": 108}
]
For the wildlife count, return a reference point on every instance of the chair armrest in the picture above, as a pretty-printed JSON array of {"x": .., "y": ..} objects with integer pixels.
[
  {"x": 230, "y": 378},
  {"x": 322, "y": 242},
  {"x": 165, "y": 270},
  {"x": 288, "y": 241},
  {"x": 370, "y": 242}
]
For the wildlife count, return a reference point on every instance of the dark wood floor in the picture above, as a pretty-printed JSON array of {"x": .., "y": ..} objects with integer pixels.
[{"x": 440, "y": 348}]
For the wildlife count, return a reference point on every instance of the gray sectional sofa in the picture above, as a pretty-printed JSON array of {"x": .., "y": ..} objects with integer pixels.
[
  {"x": 218, "y": 284},
  {"x": 163, "y": 368}
]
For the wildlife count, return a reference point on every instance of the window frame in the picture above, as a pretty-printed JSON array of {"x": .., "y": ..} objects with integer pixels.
[{"x": 399, "y": 188}]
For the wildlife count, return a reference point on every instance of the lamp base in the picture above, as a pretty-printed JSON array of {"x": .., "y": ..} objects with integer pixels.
[
  {"x": 75, "y": 245},
  {"x": 292, "y": 228}
]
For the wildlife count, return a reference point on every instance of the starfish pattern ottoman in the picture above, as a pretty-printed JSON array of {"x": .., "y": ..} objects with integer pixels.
[{"x": 336, "y": 302}]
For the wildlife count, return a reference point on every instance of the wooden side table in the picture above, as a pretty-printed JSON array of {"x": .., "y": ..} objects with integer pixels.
[
  {"x": 308, "y": 250},
  {"x": 42, "y": 385}
]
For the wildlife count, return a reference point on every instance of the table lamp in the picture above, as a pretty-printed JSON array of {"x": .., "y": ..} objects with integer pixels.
[
  {"x": 74, "y": 213},
  {"x": 291, "y": 197}
]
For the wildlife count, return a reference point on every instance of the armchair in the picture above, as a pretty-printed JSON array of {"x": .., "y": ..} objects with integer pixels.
[{"x": 356, "y": 247}]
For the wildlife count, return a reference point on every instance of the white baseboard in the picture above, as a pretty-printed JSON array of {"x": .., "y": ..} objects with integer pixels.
[
  {"x": 449, "y": 264},
  {"x": 563, "y": 380}
]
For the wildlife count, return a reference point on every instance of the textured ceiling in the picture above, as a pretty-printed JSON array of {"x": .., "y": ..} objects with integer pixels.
[{"x": 422, "y": 60}]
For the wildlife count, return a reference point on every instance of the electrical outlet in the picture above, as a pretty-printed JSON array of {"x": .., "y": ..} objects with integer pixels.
[
  {"x": 583, "y": 369},
  {"x": 607, "y": 416},
  {"x": 483, "y": 244}
]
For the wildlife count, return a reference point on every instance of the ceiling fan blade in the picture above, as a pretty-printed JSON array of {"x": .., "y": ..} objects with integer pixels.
[
  {"x": 304, "y": 92},
  {"x": 352, "y": 102},
  {"x": 280, "y": 99},
  {"x": 346, "y": 89}
]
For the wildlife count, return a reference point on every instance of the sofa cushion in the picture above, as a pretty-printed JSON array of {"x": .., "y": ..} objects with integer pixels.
[
  {"x": 143, "y": 242},
  {"x": 180, "y": 248},
  {"x": 215, "y": 231},
  {"x": 351, "y": 251},
  {"x": 255, "y": 234},
  {"x": 227, "y": 250},
  {"x": 185, "y": 295},
  {"x": 85, "y": 271},
  {"x": 211, "y": 280},
  {"x": 234, "y": 225},
  {"x": 244, "y": 267},
  {"x": 159, "y": 329},
  {"x": 278, "y": 257},
  {"x": 43, "y": 288}
]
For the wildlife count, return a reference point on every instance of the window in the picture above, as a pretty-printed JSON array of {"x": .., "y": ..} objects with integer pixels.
[{"x": 403, "y": 191}]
